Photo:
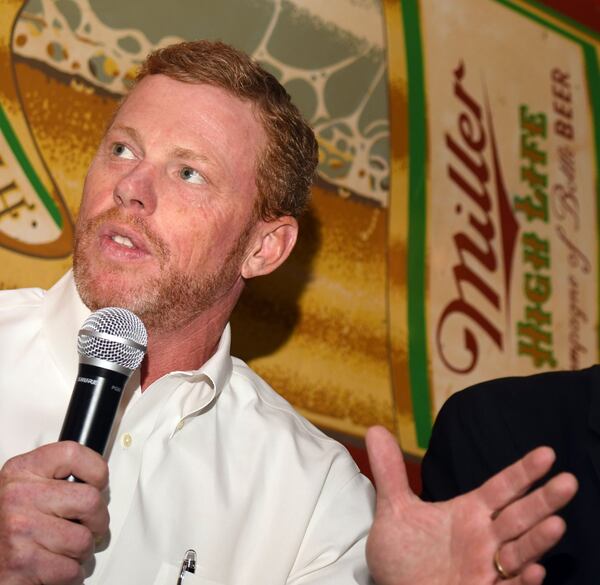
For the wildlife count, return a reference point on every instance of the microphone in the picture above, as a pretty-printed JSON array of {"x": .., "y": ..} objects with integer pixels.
[{"x": 111, "y": 346}]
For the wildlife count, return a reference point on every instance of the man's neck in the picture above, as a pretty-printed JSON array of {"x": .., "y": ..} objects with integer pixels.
[{"x": 186, "y": 348}]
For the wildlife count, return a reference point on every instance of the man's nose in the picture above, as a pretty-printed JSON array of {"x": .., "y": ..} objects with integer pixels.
[{"x": 136, "y": 191}]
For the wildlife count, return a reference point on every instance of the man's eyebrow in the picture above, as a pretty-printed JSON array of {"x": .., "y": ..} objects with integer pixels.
[
  {"x": 180, "y": 152},
  {"x": 133, "y": 133}
]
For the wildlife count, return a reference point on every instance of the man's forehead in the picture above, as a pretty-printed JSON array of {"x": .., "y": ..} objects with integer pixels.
[
  {"x": 167, "y": 96},
  {"x": 161, "y": 88}
]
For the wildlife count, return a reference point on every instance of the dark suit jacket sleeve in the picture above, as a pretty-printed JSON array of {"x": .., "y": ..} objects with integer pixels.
[{"x": 470, "y": 442}]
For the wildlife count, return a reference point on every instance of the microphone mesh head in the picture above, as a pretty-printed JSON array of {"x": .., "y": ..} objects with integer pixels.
[{"x": 121, "y": 323}]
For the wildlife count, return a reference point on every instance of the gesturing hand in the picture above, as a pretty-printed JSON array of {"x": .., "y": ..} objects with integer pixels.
[
  {"x": 455, "y": 542},
  {"x": 39, "y": 542}
]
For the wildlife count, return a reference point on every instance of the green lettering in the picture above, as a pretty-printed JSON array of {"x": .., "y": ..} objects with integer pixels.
[
  {"x": 537, "y": 288},
  {"x": 534, "y": 124},
  {"x": 532, "y": 346},
  {"x": 534, "y": 206},
  {"x": 536, "y": 250}
]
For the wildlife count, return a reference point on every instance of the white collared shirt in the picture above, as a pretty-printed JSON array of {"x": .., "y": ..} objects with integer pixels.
[{"x": 211, "y": 460}]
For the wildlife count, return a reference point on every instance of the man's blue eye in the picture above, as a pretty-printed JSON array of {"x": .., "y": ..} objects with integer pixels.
[
  {"x": 191, "y": 176},
  {"x": 120, "y": 150}
]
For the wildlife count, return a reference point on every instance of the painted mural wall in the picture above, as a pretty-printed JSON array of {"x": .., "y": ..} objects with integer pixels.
[{"x": 452, "y": 234}]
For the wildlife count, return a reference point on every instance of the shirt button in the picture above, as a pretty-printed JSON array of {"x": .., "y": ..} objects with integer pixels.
[
  {"x": 126, "y": 440},
  {"x": 180, "y": 425}
]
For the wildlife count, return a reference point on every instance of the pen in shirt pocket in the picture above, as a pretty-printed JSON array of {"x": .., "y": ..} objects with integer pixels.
[{"x": 188, "y": 565}]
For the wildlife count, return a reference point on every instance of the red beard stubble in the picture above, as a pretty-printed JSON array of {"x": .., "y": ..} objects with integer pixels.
[{"x": 164, "y": 302}]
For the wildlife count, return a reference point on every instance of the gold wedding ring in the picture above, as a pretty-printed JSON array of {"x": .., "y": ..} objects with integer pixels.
[{"x": 499, "y": 568}]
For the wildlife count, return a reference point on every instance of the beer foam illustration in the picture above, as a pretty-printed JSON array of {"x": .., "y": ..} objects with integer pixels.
[{"x": 350, "y": 122}]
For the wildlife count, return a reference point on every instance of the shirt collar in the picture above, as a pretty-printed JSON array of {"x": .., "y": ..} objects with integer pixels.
[
  {"x": 217, "y": 369},
  {"x": 199, "y": 389},
  {"x": 63, "y": 316}
]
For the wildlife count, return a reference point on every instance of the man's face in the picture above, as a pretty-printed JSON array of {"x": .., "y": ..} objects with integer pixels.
[{"x": 168, "y": 202}]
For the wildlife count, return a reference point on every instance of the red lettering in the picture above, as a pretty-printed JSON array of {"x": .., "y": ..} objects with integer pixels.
[
  {"x": 471, "y": 178},
  {"x": 564, "y": 129}
]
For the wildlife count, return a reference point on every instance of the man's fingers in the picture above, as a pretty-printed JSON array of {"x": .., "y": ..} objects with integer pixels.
[
  {"x": 517, "y": 554},
  {"x": 76, "y": 501},
  {"x": 44, "y": 549},
  {"x": 82, "y": 462},
  {"x": 59, "y": 460},
  {"x": 512, "y": 482},
  {"x": 57, "y": 498},
  {"x": 52, "y": 569},
  {"x": 387, "y": 464},
  {"x": 519, "y": 516},
  {"x": 531, "y": 575},
  {"x": 55, "y": 535}
]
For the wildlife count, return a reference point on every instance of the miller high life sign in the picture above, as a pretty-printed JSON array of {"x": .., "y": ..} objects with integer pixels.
[{"x": 500, "y": 200}]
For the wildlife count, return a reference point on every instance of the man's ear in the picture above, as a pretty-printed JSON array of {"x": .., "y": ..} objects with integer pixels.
[{"x": 271, "y": 245}]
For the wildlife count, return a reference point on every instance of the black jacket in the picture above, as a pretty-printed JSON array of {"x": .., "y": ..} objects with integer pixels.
[{"x": 481, "y": 430}]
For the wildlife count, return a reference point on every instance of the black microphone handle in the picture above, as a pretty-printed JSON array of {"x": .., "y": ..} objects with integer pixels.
[{"x": 93, "y": 406}]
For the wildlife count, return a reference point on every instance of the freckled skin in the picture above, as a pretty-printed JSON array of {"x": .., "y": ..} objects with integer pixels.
[{"x": 182, "y": 180}]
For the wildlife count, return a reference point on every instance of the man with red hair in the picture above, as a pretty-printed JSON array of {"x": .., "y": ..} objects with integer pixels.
[{"x": 195, "y": 188}]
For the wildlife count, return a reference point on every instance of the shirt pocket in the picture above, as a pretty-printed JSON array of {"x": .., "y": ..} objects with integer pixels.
[{"x": 168, "y": 575}]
